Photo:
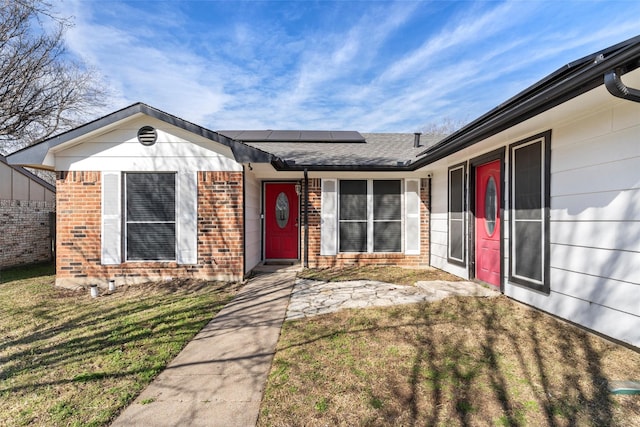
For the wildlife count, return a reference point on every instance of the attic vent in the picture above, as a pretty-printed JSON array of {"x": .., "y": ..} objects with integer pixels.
[{"x": 147, "y": 135}]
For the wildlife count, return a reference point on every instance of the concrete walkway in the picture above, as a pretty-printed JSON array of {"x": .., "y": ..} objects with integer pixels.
[
  {"x": 314, "y": 297},
  {"x": 219, "y": 377}
]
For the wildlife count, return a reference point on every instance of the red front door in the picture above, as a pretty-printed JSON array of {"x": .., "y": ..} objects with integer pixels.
[
  {"x": 281, "y": 221},
  {"x": 487, "y": 224}
]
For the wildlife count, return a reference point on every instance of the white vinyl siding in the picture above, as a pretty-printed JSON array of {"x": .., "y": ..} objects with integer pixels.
[
  {"x": 594, "y": 228},
  {"x": 119, "y": 149},
  {"x": 594, "y": 212}
]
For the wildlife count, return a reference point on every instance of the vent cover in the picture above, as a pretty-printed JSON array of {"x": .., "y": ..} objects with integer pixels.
[{"x": 147, "y": 135}]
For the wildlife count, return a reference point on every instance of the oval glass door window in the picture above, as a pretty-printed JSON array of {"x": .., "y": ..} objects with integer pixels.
[
  {"x": 282, "y": 210},
  {"x": 490, "y": 206}
]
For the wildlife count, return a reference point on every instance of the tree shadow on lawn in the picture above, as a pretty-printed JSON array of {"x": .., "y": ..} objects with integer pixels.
[
  {"x": 62, "y": 339},
  {"x": 474, "y": 361}
]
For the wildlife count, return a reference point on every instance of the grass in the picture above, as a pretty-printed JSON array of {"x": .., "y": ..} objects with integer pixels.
[
  {"x": 458, "y": 362},
  {"x": 67, "y": 359},
  {"x": 397, "y": 275}
]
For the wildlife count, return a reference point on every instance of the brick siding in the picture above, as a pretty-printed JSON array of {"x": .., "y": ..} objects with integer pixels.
[
  {"x": 220, "y": 233},
  {"x": 26, "y": 234},
  {"x": 347, "y": 259}
]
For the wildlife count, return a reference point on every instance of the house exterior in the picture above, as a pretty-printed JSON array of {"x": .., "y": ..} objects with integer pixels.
[
  {"x": 539, "y": 197},
  {"x": 27, "y": 204}
]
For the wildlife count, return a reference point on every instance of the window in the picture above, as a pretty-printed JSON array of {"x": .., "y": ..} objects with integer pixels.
[
  {"x": 456, "y": 223},
  {"x": 370, "y": 216},
  {"x": 529, "y": 211},
  {"x": 387, "y": 216},
  {"x": 150, "y": 216},
  {"x": 353, "y": 216}
]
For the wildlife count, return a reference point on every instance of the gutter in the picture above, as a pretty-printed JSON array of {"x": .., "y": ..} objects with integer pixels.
[
  {"x": 561, "y": 86},
  {"x": 565, "y": 84},
  {"x": 616, "y": 88},
  {"x": 283, "y": 165}
]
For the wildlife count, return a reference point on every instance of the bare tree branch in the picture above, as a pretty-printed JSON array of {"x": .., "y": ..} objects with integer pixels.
[
  {"x": 445, "y": 126},
  {"x": 42, "y": 90}
]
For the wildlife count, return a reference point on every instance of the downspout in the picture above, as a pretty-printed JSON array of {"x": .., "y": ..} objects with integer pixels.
[
  {"x": 617, "y": 88},
  {"x": 306, "y": 219},
  {"x": 244, "y": 224},
  {"x": 429, "y": 208}
]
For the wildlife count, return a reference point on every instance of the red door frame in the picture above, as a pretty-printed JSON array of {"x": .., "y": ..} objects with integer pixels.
[
  {"x": 264, "y": 220},
  {"x": 473, "y": 164}
]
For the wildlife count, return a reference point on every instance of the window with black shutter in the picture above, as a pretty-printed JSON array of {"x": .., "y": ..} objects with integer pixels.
[
  {"x": 150, "y": 216},
  {"x": 529, "y": 205}
]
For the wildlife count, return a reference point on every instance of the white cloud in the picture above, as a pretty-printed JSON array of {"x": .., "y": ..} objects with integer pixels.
[{"x": 360, "y": 72}]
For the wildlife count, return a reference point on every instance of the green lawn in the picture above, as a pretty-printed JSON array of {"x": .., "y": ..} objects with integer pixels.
[
  {"x": 456, "y": 362},
  {"x": 69, "y": 360}
]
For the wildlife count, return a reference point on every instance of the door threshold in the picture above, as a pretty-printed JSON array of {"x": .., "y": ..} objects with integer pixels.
[{"x": 275, "y": 266}]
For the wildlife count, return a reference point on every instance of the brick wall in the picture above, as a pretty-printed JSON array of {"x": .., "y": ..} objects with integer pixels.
[
  {"x": 347, "y": 259},
  {"x": 220, "y": 233},
  {"x": 26, "y": 235}
]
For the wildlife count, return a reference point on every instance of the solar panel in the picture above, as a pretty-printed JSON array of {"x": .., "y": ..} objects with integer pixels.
[{"x": 293, "y": 135}]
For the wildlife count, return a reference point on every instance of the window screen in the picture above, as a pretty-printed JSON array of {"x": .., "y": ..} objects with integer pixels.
[
  {"x": 456, "y": 215},
  {"x": 150, "y": 216},
  {"x": 353, "y": 216},
  {"x": 387, "y": 216},
  {"x": 529, "y": 244}
]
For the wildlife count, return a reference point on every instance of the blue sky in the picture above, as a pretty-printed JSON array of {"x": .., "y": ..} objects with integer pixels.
[{"x": 372, "y": 66}]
